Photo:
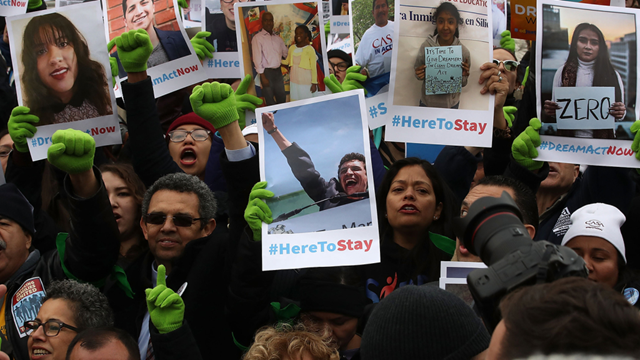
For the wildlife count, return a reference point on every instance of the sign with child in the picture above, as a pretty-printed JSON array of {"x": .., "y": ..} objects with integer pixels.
[{"x": 443, "y": 70}]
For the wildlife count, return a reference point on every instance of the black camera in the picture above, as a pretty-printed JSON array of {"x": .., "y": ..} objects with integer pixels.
[{"x": 493, "y": 230}]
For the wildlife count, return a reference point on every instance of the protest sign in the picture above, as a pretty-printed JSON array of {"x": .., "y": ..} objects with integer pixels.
[
  {"x": 585, "y": 108},
  {"x": 340, "y": 19},
  {"x": 281, "y": 44},
  {"x": 179, "y": 66},
  {"x": 443, "y": 69},
  {"x": 13, "y": 7},
  {"x": 192, "y": 16},
  {"x": 523, "y": 19},
  {"x": 453, "y": 277},
  {"x": 218, "y": 18},
  {"x": 452, "y": 118},
  {"x": 324, "y": 210},
  {"x": 373, "y": 37},
  {"x": 596, "y": 130},
  {"x": 66, "y": 84},
  {"x": 499, "y": 20}
]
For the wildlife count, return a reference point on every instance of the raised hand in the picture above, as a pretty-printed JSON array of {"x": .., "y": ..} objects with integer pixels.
[
  {"x": 257, "y": 210},
  {"x": 215, "y": 103},
  {"x": 134, "y": 49},
  {"x": 166, "y": 308},
  {"x": 21, "y": 125},
  {"x": 506, "y": 42},
  {"x": 524, "y": 146},
  {"x": 71, "y": 151},
  {"x": 203, "y": 48},
  {"x": 245, "y": 101}
]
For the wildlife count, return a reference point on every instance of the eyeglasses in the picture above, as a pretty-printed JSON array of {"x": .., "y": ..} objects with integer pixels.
[
  {"x": 232, "y": 1},
  {"x": 51, "y": 327},
  {"x": 509, "y": 65},
  {"x": 341, "y": 66},
  {"x": 585, "y": 40},
  {"x": 5, "y": 150},
  {"x": 197, "y": 135},
  {"x": 178, "y": 220}
]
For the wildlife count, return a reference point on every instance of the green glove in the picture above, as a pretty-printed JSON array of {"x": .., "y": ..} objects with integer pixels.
[
  {"x": 202, "y": 47},
  {"x": 182, "y": 4},
  {"x": 113, "y": 63},
  {"x": 526, "y": 76},
  {"x": 352, "y": 80},
  {"x": 635, "y": 146},
  {"x": 34, "y": 4},
  {"x": 166, "y": 308},
  {"x": 327, "y": 29},
  {"x": 524, "y": 146},
  {"x": 506, "y": 42},
  {"x": 134, "y": 49},
  {"x": 21, "y": 126},
  {"x": 215, "y": 103},
  {"x": 257, "y": 210},
  {"x": 333, "y": 84},
  {"x": 245, "y": 101},
  {"x": 71, "y": 151},
  {"x": 509, "y": 114}
]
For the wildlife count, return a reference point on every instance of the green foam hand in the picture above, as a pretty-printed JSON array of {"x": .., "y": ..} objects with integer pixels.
[
  {"x": 509, "y": 114},
  {"x": 166, "y": 308},
  {"x": 245, "y": 101},
  {"x": 352, "y": 81},
  {"x": 202, "y": 47},
  {"x": 113, "y": 64},
  {"x": 71, "y": 151},
  {"x": 635, "y": 146},
  {"x": 21, "y": 125},
  {"x": 506, "y": 42},
  {"x": 34, "y": 4},
  {"x": 257, "y": 210},
  {"x": 524, "y": 146},
  {"x": 134, "y": 49},
  {"x": 215, "y": 103}
]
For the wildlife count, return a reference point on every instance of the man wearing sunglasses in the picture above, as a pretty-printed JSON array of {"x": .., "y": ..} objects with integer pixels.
[{"x": 68, "y": 308}]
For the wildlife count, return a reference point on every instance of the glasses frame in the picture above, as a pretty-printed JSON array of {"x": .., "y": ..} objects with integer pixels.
[
  {"x": 10, "y": 150},
  {"x": 173, "y": 218},
  {"x": 334, "y": 66},
  {"x": 46, "y": 326},
  {"x": 505, "y": 63},
  {"x": 187, "y": 133}
]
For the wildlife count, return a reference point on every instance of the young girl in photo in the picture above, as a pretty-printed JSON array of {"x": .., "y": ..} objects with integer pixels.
[
  {"x": 60, "y": 81},
  {"x": 447, "y": 20},
  {"x": 303, "y": 73}
]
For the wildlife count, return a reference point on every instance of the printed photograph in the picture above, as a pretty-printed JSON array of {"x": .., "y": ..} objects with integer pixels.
[
  {"x": 309, "y": 176},
  {"x": 283, "y": 49},
  {"x": 588, "y": 73},
  {"x": 62, "y": 71},
  {"x": 221, "y": 23}
]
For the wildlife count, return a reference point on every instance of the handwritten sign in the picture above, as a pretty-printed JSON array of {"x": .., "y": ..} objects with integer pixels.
[
  {"x": 443, "y": 73},
  {"x": 584, "y": 108}
]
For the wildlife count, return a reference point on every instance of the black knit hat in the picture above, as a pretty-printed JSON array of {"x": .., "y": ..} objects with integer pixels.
[
  {"x": 14, "y": 206},
  {"x": 423, "y": 322},
  {"x": 340, "y": 54}
]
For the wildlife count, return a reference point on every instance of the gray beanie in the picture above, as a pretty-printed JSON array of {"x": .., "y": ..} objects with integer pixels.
[{"x": 423, "y": 322}]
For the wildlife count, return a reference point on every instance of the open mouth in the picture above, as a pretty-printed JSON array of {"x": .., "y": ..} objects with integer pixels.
[
  {"x": 40, "y": 352},
  {"x": 408, "y": 209},
  {"x": 117, "y": 216},
  {"x": 350, "y": 183},
  {"x": 59, "y": 73},
  {"x": 188, "y": 157}
]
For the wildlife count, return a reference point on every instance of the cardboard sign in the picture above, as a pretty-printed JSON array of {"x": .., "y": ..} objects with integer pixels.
[
  {"x": 585, "y": 108},
  {"x": 26, "y": 302},
  {"x": 443, "y": 69}
]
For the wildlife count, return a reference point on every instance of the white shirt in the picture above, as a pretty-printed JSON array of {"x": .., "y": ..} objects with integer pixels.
[
  {"x": 268, "y": 51},
  {"x": 375, "y": 48},
  {"x": 584, "y": 77}
]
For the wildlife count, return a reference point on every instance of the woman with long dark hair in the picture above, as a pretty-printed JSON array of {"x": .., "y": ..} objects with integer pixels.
[
  {"x": 60, "y": 81},
  {"x": 589, "y": 65}
]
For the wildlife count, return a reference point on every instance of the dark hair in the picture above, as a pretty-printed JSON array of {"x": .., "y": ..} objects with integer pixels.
[
  {"x": 374, "y": 4},
  {"x": 128, "y": 174},
  {"x": 90, "y": 84},
  {"x": 89, "y": 306},
  {"x": 525, "y": 198},
  {"x": 343, "y": 275},
  {"x": 604, "y": 73},
  {"x": 306, "y": 30},
  {"x": 352, "y": 156},
  {"x": 96, "y": 338},
  {"x": 567, "y": 316},
  {"x": 451, "y": 9}
]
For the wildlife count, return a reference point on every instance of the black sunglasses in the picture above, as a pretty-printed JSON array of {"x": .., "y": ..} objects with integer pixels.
[
  {"x": 51, "y": 327},
  {"x": 178, "y": 220}
]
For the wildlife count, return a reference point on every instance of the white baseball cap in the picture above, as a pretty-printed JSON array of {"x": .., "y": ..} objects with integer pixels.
[{"x": 598, "y": 220}]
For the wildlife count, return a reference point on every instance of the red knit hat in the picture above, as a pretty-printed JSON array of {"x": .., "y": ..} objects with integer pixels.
[{"x": 191, "y": 119}]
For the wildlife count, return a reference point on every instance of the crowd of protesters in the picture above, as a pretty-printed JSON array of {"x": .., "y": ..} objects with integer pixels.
[{"x": 152, "y": 249}]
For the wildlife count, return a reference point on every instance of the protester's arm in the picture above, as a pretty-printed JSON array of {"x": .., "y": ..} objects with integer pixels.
[
  {"x": 268, "y": 122},
  {"x": 419, "y": 65},
  {"x": 151, "y": 158},
  {"x": 93, "y": 244}
]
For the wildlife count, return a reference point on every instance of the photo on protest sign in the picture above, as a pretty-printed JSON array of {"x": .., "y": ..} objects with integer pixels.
[
  {"x": 453, "y": 278},
  {"x": 340, "y": 19},
  {"x": 219, "y": 19},
  {"x": 373, "y": 29},
  {"x": 498, "y": 20},
  {"x": 192, "y": 16},
  {"x": 62, "y": 74},
  {"x": 587, "y": 88},
  {"x": 13, "y": 7},
  {"x": 434, "y": 92},
  {"x": 324, "y": 211},
  {"x": 173, "y": 64},
  {"x": 282, "y": 46}
]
